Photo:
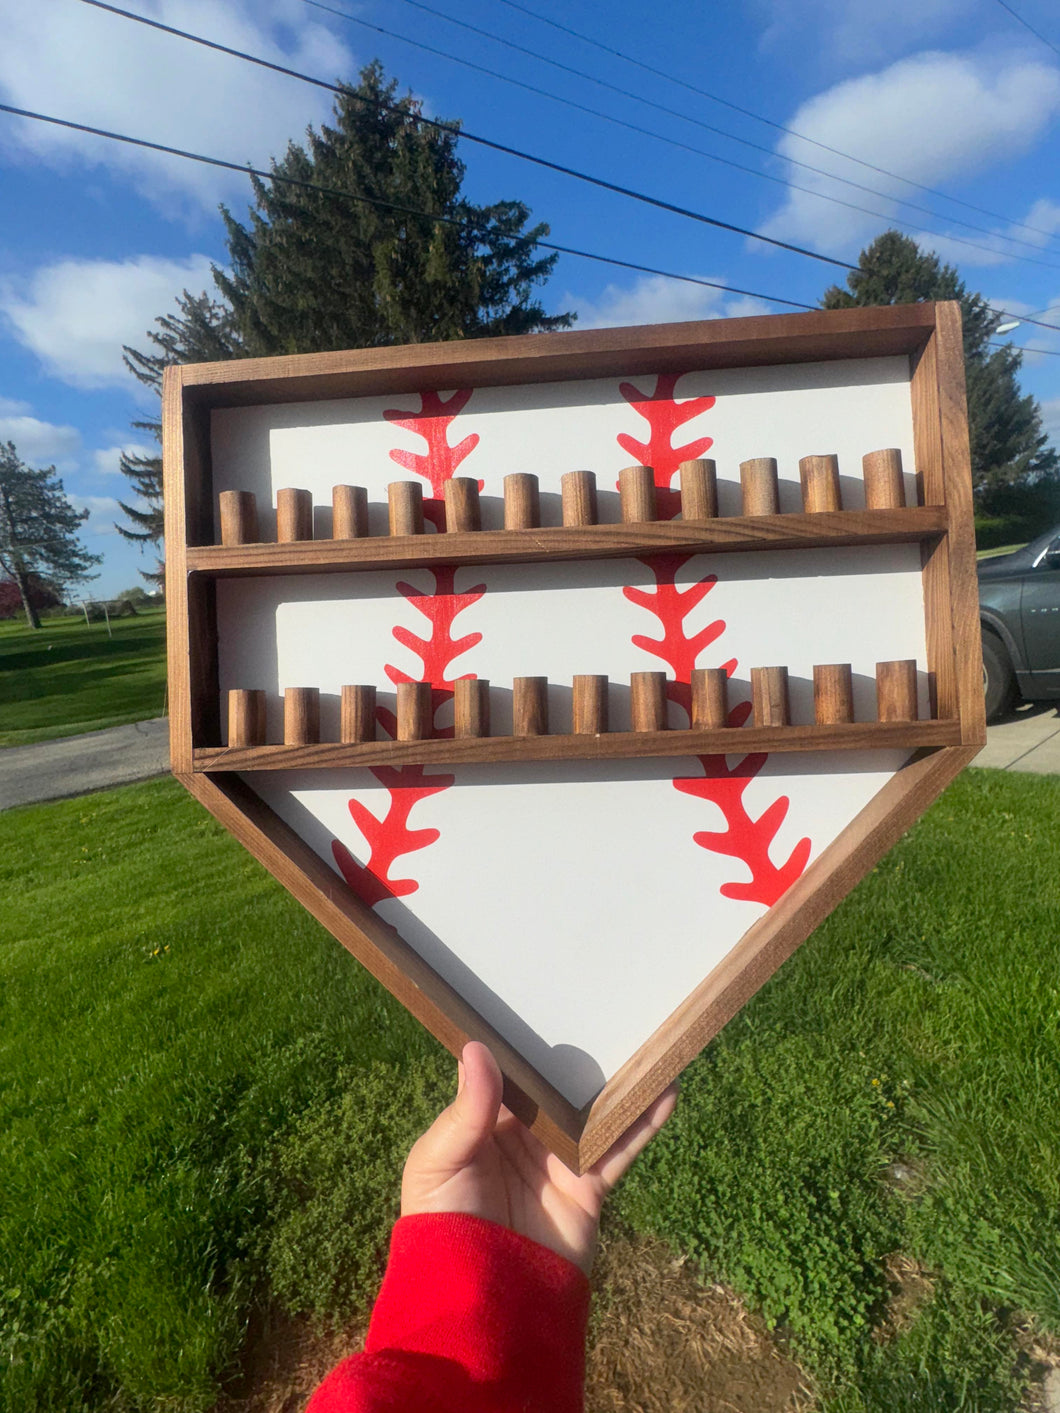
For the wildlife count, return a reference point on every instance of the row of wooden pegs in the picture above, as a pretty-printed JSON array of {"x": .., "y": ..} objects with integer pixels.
[
  {"x": 896, "y": 693},
  {"x": 759, "y": 485}
]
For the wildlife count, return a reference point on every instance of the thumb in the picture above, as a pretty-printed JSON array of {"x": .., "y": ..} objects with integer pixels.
[{"x": 459, "y": 1131}]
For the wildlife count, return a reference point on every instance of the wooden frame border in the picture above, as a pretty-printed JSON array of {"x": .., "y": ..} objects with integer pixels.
[{"x": 928, "y": 334}]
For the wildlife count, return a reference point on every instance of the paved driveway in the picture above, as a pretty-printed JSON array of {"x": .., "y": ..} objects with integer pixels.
[
  {"x": 1028, "y": 740},
  {"x": 76, "y": 765}
]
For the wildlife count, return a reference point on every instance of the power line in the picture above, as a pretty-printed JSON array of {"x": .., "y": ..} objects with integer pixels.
[
  {"x": 1019, "y": 18},
  {"x": 455, "y": 132},
  {"x": 387, "y": 205},
  {"x": 1023, "y": 348},
  {"x": 769, "y": 122},
  {"x": 601, "y": 182},
  {"x": 697, "y": 122},
  {"x": 684, "y": 146}
]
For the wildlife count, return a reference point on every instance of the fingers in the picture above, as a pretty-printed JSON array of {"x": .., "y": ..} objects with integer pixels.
[
  {"x": 460, "y": 1131},
  {"x": 619, "y": 1158}
]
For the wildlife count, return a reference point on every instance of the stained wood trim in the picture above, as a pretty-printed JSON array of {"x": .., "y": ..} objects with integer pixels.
[
  {"x": 533, "y": 358},
  {"x": 963, "y": 606},
  {"x": 558, "y": 542},
  {"x": 935, "y": 556},
  {"x": 613, "y": 745},
  {"x": 390, "y": 959},
  {"x": 178, "y": 628},
  {"x": 764, "y": 947}
]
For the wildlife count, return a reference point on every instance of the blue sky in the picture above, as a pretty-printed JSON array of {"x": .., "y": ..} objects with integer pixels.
[{"x": 97, "y": 239}]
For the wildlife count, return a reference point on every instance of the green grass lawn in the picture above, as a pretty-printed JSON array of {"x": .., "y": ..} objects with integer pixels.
[
  {"x": 204, "y": 1104},
  {"x": 70, "y": 676}
]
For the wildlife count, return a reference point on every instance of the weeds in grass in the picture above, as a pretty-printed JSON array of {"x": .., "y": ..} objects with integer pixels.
[{"x": 183, "y": 1131}]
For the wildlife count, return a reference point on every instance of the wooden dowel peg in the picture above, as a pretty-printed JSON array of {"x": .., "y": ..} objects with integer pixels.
[
  {"x": 590, "y": 704},
  {"x": 522, "y": 501},
  {"x": 710, "y": 698},
  {"x": 301, "y": 716},
  {"x": 357, "y": 715},
  {"x": 636, "y": 488},
  {"x": 648, "y": 701},
  {"x": 530, "y": 706},
  {"x": 579, "y": 498},
  {"x": 758, "y": 482},
  {"x": 769, "y": 696},
  {"x": 896, "y": 690},
  {"x": 415, "y": 719},
  {"x": 461, "y": 504},
  {"x": 349, "y": 512},
  {"x": 884, "y": 482},
  {"x": 246, "y": 717},
  {"x": 699, "y": 490},
  {"x": 820, "y": 483},
  {"x": 471, "y": 706},
  {"x": 239, "y": 518},
  {"x": 294, "y": 515},
  {"x": 833, "y": 693},
  {"x": 405, "y": 501}
]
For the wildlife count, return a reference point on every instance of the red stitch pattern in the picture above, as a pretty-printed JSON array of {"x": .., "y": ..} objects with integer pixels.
[
  {"x": 437, "y": 651},
  {"x": 440, "y": 461},
  {"x": 664, "y": 415},
  {"x": 671, "y": 606},
  {"x": 743, "y": 837},
  {"x": 389, "y": 837}
]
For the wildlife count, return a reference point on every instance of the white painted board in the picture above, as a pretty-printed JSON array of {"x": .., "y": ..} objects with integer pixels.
[{"x": 575, "y": 904}]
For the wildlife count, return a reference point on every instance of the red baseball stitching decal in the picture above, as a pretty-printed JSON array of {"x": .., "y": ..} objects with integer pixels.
[
  {"x": 440, "y": 461},
  {"x": 389, "y": 838},
  {"x": 664, "y": 415},
  {"x": 743, "y": 837}
]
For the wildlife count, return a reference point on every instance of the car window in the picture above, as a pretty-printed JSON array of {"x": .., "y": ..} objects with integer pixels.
[{"x": 1050, "y": 556}]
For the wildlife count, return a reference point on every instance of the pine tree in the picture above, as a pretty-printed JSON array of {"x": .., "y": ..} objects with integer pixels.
[
  {"x": 200, "y": 332},
  {"x": 1009, "y": 446},
  {"x": 352, "y": 266},
  {"x": 38, "y": 530}
]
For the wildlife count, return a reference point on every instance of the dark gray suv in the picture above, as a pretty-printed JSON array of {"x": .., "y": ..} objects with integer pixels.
[{"x": 1019, "y": 609}]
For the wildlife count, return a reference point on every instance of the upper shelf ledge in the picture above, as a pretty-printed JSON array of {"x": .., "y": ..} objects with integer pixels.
[{"x": 798, "y": 530}]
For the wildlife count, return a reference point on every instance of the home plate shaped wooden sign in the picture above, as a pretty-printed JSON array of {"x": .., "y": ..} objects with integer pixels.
[{"x": 572, "y": 679}]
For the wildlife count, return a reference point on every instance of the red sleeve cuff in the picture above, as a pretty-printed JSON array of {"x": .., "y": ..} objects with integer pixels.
[{"x": 472, "y": 1306}]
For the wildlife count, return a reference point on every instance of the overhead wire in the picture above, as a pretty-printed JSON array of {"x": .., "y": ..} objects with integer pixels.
[
  {"x": 676, "y": 113},
  {"x": 247, "y": 170},
  {"x": 456, "y": 132},
  {"x": 685, "y": 146},
  {"x": 770, "y": 122},
  {"x": 1026, "y": 25},
  {"x": 459, "y": 132}
]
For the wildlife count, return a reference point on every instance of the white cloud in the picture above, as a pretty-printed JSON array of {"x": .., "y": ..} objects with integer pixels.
[
  {"x": 73, "y": 61},
  {"x": 1051, "y": 418},
  {"x": 77, "y": 314},
  {"x": 40, "y": 443},
  {"x": 653, "y": 299},
  {"x": 932, "y": 117},
  {"x": 856, "y": 31},
  {"x": 107, "y": 461},
  {"x": 102, "y": 511},
  {"x": 13, "y": 407}
]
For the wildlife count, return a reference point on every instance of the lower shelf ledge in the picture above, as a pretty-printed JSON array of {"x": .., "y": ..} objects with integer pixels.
[{"x": 613, "y": 745}]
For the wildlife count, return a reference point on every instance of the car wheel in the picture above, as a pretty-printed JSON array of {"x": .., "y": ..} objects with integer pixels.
[{"x": 999, "y": 681}]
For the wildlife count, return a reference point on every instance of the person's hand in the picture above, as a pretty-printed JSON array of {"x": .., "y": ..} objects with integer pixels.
[{"x": 477, "y": 1158}]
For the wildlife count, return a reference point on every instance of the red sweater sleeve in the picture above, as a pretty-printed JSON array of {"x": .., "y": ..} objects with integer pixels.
[{"x": 471, "y": 1318}]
